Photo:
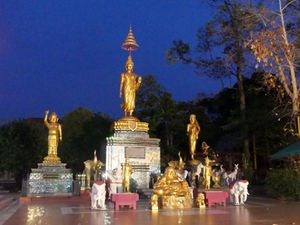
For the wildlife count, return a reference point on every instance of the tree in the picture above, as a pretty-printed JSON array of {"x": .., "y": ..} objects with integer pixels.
[
  {"x": 148, "y": 102},
  {"x": 167, "y": 118},
  {"x": 274, "y": 46},
  {"x": 23, "y": 144},
  {"x": 83, "y": 132},
  {"x": 221, "y": 49}
]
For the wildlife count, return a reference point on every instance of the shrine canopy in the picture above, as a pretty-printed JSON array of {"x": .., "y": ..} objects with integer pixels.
[{"x": 287, "y": 152}]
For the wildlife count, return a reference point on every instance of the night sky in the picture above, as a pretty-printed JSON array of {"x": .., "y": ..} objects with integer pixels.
[{"x": 60, "y": 55}]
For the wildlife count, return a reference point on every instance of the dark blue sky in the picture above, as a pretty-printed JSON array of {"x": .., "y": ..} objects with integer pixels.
[{"x": 60, "y": 55}]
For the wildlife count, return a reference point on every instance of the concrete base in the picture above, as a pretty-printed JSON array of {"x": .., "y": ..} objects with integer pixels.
[
  {"x": 50, "y": 180},
  {"x": 143, "y": 154}
]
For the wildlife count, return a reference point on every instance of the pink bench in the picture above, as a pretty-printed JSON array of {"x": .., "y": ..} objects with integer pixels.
[
  {"x": 213, "y": 197},
  {"x": 129, "y": 199}
]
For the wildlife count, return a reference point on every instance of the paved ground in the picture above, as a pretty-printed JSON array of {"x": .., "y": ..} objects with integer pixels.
[{"x": 76, "y": 211}]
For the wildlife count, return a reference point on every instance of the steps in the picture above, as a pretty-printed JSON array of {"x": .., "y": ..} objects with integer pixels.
[{"x": 6, "y": 201}]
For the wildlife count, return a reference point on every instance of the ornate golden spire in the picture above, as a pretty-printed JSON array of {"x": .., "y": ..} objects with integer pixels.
[{"x": 130, "y": 43}]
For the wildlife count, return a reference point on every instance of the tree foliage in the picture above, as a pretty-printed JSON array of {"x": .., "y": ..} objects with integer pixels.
[
  {"x": 83, "y": 132},
  {"x": 221, "y": 51},
  {"x": 23, "y": 143},
  {"x": 275, "y": 48}
]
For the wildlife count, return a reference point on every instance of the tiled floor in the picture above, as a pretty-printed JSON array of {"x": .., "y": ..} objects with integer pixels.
[{"x": 256, "y": 211}]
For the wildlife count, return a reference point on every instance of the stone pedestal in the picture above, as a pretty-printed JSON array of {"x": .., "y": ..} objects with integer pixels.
[
  {"x": 143, "y": 154},
  {"x": 50, "y": 180}
]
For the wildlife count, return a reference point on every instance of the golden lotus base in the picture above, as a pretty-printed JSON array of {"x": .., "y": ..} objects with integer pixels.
[
  {"x": 51, "y": 159},
  {"x": 130, "y": 123}
]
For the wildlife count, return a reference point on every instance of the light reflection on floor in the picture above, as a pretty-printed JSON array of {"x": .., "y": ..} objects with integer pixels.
[
  {"x": 34, "y": 214},
  {"x": 256, "y": 211}
]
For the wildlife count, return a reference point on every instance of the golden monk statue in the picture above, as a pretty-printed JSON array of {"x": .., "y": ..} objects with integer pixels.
[
  {"x": 207, "y": 172},
  {"x": 126, "y": 173},
  {"x": 193, "y": 130},
  {"x": 172, "y": 190},
  {"x": 54, "y": 136},
  {"x": 129, "y": 84}
]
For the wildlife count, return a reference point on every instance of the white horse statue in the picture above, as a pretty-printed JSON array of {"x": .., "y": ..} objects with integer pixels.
[
  {"x": 239, "y": 192},
  {"x": 231, "y": 177},
  {"x": 98, "y": 195}
]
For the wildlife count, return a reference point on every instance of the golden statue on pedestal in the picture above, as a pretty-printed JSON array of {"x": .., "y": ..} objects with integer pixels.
[
  {"x": 193, "y": 130},
  {"x": 207, "y": 172},
  {"x": 171, "y": 191},
  {"x": 129, "y": 84},
  {"x": 126, "y": 173},
  {"x": 54, "y": 136}
]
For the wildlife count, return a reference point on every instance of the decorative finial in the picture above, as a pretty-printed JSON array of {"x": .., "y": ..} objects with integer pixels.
[
  {"x": 130, "y": 43},
  {"x": 129, "y": 61}
]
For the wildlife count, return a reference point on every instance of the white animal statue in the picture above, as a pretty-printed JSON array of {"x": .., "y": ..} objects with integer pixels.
[
  {"x": 231, "y": 177},
  {"x": 199, "y": 169},
  {"x": 115, "y": 180},
  {"x": 239, "y": 192},
  {"x": 98, "y": 195}
]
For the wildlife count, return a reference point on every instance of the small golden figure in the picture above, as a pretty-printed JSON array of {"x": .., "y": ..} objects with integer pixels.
[
  {"x": 154, "y": 202},
  {"x": 216, "y": 177},
  {"x": 126, "y": 173},
  {"x": 201, "y": 200},
  {"x": 129, "y": 84},
  {"x": 193, "y": 130},
  {"x": 54, "y": 136},
  {"x": 207, "y": 173}
]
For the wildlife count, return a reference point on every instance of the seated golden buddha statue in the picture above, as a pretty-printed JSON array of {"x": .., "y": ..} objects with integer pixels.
[{"x": 172, "y": 191}]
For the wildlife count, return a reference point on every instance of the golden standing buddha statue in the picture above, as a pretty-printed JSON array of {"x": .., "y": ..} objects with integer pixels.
[
  {"x": 129, "y": 84},
  {"x": 193, "y": 130},
  {"x": 54, "y": 136},
  {"x": 207, "y": 172},
  {"x": 126, "y": 173}
]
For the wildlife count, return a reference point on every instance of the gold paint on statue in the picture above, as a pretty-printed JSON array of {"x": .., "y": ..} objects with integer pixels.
[
  {"x": 130, "y": 123},
  {"x": 54, "y": 136},
  {"x": 201, "y": 200},
  {"x": 130, "y": 43},
  {"x": 207, "y": 173},
  {"x": 154, "y": 202},
  {"x": 172, "y": 191},
  {"x": 92, "y": 167},
  {"x": 126, "y": 173},
  {"x": 216, "y": 179},
  {"x": 129, "y": 84},
  {"x": 193, "y": 130},
  {"x": 178, "y": 165}
]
